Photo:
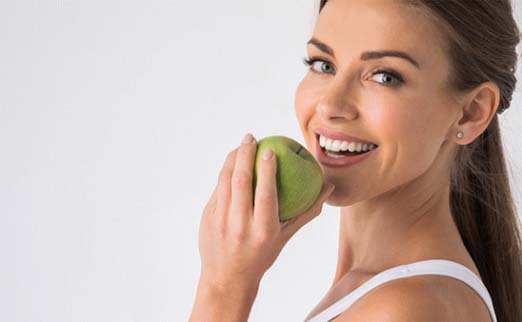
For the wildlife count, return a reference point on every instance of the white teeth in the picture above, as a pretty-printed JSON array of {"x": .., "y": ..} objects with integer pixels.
[{"x": 337, "y": 145}]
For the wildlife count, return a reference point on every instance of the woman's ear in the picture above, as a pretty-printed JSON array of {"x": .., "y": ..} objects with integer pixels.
[{"x": 476, "y": 113}]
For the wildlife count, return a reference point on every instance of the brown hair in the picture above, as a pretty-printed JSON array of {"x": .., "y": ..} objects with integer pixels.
[{"x": 482, "y": 36}]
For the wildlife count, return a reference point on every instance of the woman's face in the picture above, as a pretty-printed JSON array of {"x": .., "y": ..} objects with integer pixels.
[{"x": 408, "y": 119}]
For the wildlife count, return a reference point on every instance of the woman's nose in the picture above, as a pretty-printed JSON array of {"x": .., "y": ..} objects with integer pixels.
[{"x": 337, "y": 102}]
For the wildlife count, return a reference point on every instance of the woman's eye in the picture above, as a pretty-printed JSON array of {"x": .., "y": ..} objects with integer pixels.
[
  {"x": 322, "y": 65},
  {"x": 389, "y": 77}
]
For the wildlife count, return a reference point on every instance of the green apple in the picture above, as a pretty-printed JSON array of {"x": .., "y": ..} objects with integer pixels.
[{"x": 299, "y": 177}]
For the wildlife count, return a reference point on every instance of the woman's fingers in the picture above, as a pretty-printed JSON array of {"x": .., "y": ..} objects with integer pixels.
[
  {"x": 241, "y": 203},
  {"x": 223, "y": 189},
  {"x": 266, "y": 209}
]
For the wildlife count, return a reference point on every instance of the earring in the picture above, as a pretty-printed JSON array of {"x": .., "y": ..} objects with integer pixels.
[{"x": 460, "y": 135}]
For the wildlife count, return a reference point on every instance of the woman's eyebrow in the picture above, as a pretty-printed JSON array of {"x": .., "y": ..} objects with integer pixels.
[{"x": 367, "y": 54}]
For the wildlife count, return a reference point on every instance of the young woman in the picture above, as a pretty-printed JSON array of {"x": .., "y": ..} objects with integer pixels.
[{"x": 428, "y": 228}]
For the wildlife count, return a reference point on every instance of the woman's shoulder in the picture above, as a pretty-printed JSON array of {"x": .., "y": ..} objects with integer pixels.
[{"x": 419, "y": 298}]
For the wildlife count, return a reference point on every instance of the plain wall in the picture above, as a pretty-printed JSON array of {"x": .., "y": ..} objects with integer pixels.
[{"x": 115, "y": 119}]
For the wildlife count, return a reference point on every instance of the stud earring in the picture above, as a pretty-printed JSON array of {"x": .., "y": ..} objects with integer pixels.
[{"x": 460, "y": 135}]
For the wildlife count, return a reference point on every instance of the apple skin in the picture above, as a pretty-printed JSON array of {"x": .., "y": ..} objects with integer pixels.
[{"x": 299, "y": 177}]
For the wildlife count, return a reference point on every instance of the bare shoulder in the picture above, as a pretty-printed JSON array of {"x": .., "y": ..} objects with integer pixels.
[{"x": 413, "y": 299}]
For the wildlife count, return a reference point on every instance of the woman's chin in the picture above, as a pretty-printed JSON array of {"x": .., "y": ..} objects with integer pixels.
[
  {"x": 332, "y": 200},
  {"x": 337, "y": 200}
]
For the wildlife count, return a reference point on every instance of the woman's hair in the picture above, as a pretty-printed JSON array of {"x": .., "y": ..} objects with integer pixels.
[{"x": 481, "y": 38}]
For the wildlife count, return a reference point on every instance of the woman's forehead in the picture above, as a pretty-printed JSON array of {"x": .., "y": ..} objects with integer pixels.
[{"x": 357, "y": 26}]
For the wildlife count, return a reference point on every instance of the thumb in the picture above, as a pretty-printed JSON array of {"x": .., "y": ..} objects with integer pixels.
[{"x": 291, "y": 226}]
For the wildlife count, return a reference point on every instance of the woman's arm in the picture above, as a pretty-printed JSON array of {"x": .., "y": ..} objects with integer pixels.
[{"x": 228, "y": 303}]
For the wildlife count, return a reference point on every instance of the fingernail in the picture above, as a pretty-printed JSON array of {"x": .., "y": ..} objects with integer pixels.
[
  {"x": 267, "y": 154},
  {"x": 247, "y": 139}
]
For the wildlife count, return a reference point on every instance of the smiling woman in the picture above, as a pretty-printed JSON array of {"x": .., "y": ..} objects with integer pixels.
[
  {"x": 435, "y": 198},
  {"x": 400, "y": 107}
]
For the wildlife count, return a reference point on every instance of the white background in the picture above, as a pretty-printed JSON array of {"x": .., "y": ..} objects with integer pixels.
[{"x": 115, "y": 119}]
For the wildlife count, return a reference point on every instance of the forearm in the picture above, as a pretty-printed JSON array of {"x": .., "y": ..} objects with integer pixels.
[{"x": 223, "y": 304}]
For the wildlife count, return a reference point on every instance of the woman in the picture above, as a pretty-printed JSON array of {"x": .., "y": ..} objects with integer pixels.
[{"x": 428, "y": 228}]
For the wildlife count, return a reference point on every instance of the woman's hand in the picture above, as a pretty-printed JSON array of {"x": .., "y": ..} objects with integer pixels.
[{"x": 238, "y": 242}]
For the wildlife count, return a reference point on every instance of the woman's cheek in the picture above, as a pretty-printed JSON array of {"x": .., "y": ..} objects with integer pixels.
[
  {"x": 306, "y": 99},
  {"x": 303, "y": 110},
  {"x": 387, "y": 123}
]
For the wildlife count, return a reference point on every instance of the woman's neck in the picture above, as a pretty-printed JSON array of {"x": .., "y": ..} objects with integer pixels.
[{"x": 373, "y": 238}]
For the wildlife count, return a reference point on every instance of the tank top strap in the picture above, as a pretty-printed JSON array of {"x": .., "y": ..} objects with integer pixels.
[{"x": 425, "y": 267}]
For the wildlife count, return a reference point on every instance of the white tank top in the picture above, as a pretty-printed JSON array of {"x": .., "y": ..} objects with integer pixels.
[{"x": 430, "y": 266}]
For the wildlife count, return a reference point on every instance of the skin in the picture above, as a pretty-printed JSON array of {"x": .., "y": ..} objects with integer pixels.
[{"x": 395, "y": 204}]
